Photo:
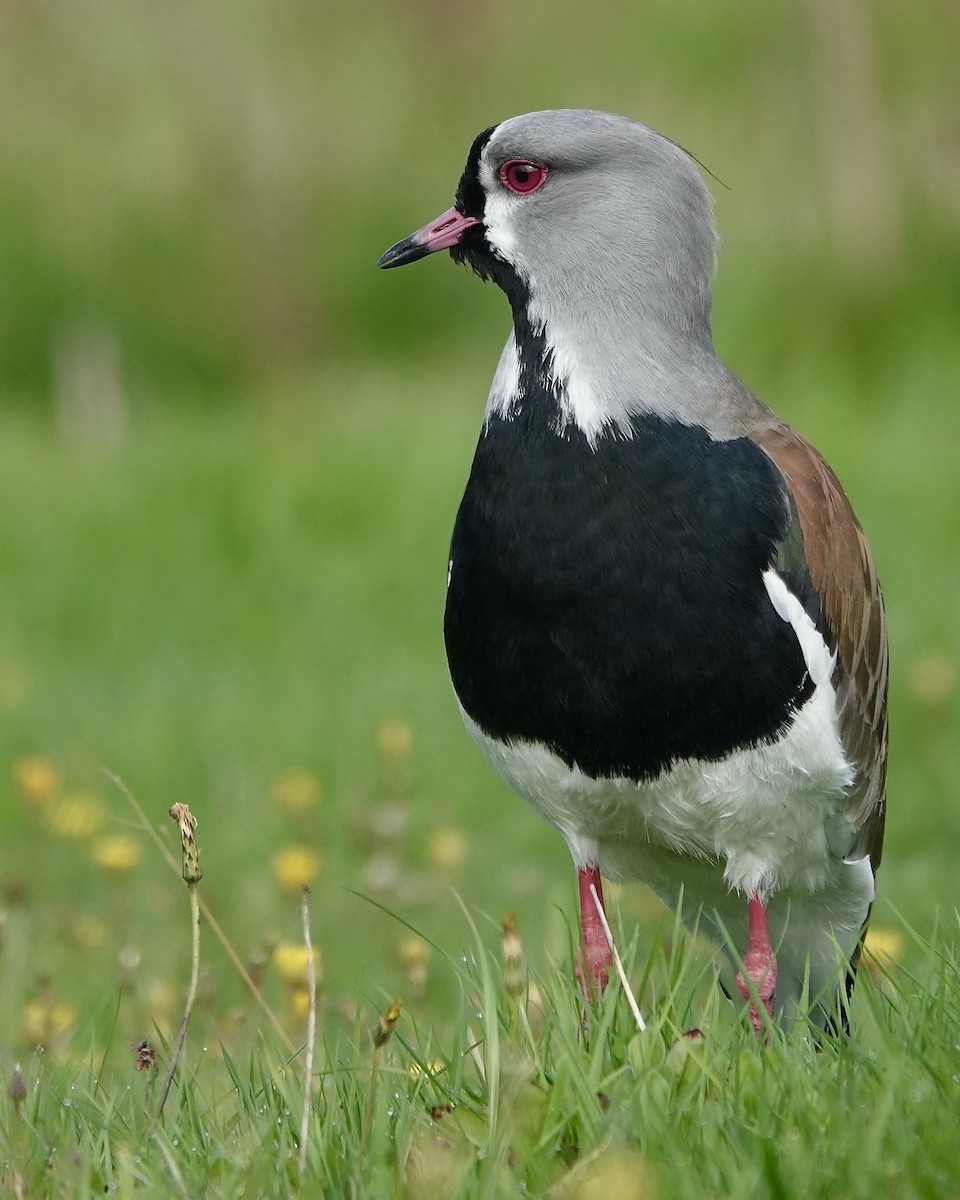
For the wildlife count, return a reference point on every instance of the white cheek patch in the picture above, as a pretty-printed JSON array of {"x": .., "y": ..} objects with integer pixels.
[
  {"x": 816, "y": 654},
  {"x": 498, "y": 222},
  {"x": 582, "y": 403},
  {"x": 499, "y": 208}
]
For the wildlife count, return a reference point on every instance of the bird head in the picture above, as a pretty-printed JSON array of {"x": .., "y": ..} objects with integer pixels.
[
  {"x": 551, "y": 201},
  {"x": 600, "y": 232}
]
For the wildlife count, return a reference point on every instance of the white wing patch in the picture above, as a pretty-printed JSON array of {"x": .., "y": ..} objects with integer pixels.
[{"x": 816, "y": 653}]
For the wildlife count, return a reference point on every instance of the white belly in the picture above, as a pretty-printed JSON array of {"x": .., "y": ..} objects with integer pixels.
[
  {"x": 769, "y": 816},
  {"x": 764, "y": 821}
]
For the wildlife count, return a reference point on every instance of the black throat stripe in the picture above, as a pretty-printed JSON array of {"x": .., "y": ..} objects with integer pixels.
[{"x": 470, "y": 196}]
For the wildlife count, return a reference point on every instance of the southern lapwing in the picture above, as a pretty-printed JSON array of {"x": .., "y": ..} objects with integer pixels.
[{"x": 663, "y": 623}]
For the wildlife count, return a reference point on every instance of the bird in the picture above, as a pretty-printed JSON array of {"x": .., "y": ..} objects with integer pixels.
[{"x": 663, "y": 623}]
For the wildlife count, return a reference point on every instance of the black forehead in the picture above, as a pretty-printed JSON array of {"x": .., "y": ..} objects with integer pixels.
[{"x": 469, "y": 190}]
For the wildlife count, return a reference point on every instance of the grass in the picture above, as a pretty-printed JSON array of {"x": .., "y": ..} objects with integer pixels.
[
  {"x": 230, "y": 455},
  {"x": 243, "y": 613},
  {"x": 521, "y": 1097}
]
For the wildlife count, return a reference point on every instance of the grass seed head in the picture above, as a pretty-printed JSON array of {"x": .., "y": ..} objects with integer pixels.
[
  {"x": 511, "y": 952},
  {"x": 187, "y": 823},
  {"x": 144, "y": 1056},
  {"x": 17, "y": 1091}
]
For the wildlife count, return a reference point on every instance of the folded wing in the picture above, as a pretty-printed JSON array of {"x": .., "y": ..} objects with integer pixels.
[{"x": 843, "y": 577}]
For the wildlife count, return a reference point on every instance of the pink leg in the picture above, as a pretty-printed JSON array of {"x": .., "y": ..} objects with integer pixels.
[
  {"x": 594, "y": 959},
  {"x": 759, "y": 963}
]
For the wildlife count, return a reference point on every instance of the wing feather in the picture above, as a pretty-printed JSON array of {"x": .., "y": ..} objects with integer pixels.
[{"x": 843, "y": 575}]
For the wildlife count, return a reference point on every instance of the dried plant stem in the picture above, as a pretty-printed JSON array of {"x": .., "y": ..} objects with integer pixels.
[
  {"x": 371, "y": 1097},
  {"x": 618, "y": 962},
  {"x": 191, "y": 995},
  {"x": 381, "y": 1035},
  {"x": 207, "y": 914},
  {"x": 311, "y": 1029}
]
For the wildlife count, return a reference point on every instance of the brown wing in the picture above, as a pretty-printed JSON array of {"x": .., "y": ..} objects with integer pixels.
[{"x": 842, "y": 572}]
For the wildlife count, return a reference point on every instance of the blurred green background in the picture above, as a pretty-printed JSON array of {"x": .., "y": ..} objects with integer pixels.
[{"x": 231, "y": 450}]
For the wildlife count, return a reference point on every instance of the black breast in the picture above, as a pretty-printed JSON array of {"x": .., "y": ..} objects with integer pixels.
[{"x": 609, "y": 601}]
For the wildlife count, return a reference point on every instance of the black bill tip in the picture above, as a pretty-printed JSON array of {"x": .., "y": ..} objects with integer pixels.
[{"x": 404, "y": 252}]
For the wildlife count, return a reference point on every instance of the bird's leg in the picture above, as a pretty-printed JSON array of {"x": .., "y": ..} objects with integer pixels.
[
  {"x": 759, "y": 963},
  {"x": 594, "y": 959}
]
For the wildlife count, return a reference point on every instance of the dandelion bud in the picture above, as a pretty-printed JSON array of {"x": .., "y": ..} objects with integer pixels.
[
  {"x": 386, "y": 1025},
  {"x": 17, "y": 1091},
  {"x": 191, "y": 856}
]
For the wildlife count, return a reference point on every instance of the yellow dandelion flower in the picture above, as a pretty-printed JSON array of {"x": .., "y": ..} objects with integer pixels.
[
  {"x": 37, "y": 778},
  {"x": 44, "y": 1021},
  {"x": 116, "y": 853},
  {"x": 296, "y": 867},
  {"x": 431, "y": 1069},
  {"x": 413, "y": 954},
  {"x": 296, "y": 791},
  {"x": 298, "y": 1003},
  {"x": 394, "y": 740},
  {"x": 446, "y": 848},
  {"x": 383, "y": 1030},
  {"x": 290, "y": 961},
  {"x": 883, "y": 946},
  {"x": 86, "y": 932},
  {"x": 77, "y": 816}
]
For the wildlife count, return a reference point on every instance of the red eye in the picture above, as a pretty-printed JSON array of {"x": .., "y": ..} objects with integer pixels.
[{"x": 522, "y": 177}]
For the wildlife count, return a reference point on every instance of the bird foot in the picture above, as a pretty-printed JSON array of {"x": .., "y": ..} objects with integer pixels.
[
  {"x": 592, "y": 970},
  {"x": 763, "y": 976}
]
